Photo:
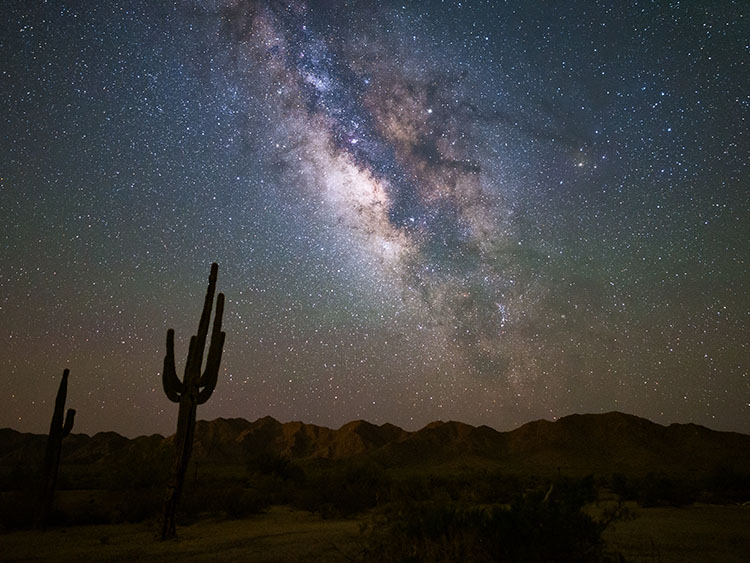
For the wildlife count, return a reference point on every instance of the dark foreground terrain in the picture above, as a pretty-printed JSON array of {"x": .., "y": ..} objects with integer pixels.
[
  {"x": 584, "y": 488},
  {"x": 700, "y": 533}
]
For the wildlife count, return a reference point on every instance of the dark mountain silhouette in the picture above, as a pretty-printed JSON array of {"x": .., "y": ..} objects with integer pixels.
[
  {"x": 576, "y": 444},
  {"x": 621, "y": 442}
]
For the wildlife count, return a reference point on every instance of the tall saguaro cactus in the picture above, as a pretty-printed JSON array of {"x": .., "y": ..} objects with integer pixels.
[
  {"x": 194, "y": 389},
  {"x": 57, "y": 431}
]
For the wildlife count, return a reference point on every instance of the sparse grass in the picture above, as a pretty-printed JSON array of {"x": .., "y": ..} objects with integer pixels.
[
  {"x": 697, "y": 533},
  {"x": 279, "y": 535},
  {"x": 700, "y": 533}
]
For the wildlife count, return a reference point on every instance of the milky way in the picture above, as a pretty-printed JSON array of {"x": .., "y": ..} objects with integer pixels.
[
  {"x": 425, "y": 210},
  {"x": 404, "y": 197}
]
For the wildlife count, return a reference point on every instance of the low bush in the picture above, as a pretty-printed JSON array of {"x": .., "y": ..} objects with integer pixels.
[
  {"x": 18, "y": 508},
  {"x": 537, "y": 526},
  {"x": 231, "y": 499},
  {"x": 726, "y": 485},
  {"x": 275, "y": 465},
  {"x": 655, "y": 489},
  {"x": 344, "y": 490}
]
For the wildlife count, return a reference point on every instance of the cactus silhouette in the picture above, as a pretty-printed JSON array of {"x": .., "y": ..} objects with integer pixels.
[
  {"x": 57, "y": 431},
  {"x": 194, "y": 389}
]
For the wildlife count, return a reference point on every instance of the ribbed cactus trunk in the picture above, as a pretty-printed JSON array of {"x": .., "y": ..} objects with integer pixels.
[
  {"x": 57, "y": 431},
  {"x": 194, "y": 389}
]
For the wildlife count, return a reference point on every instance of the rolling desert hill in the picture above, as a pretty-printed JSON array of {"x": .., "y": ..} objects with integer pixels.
[{"x": 577, "y": 444}]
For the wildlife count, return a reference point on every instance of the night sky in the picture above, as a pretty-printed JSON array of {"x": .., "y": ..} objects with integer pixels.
[{"x": 491, "y": 212}]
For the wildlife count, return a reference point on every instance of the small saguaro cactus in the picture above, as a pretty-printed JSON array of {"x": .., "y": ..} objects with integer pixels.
[
  {"x": 57, "y": 431},
  {"x": 194, "y": 389}
]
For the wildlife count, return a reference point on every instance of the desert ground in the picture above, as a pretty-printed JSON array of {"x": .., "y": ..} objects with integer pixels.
[{"x": 698, "y": 533}]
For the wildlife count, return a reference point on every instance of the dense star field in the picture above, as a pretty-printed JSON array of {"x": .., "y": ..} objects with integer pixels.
[{"x": 490, "y": 212}]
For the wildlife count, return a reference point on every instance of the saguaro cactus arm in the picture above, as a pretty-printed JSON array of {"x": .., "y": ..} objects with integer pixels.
[
  {"x": 173, "y": 387},
  {"x": 69, "y": 419},
  {"x": 57, "y": 425},
  {"x": 211, "y": 373},
  {"x": 217, "y": 345},
  {"x": 206, "y": 315}
]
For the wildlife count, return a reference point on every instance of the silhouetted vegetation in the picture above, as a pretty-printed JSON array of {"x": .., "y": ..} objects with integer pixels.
[
  {"x": 134, "y": 471},
  {"x": 57, "y": 431},
  {"x": 655, "y": 489},
  {"x": 536, "y": 526},
  {"x": 230, "y": 500},
  {"x": 412, "y": 505},
  {"x": 194, "y": 389},
  {"x": 127, "y": 488},
  {"x": 722, "y": 485},
  {"x": 19, "y": 508},
  {"x": 275, "y": 465},
  {"x": 346, "y": 489}
]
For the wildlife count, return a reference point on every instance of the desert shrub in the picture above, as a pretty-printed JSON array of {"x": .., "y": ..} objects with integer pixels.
[
  {"x": 139, "y": 505},
  {"x": 497, "y": 488},
  {"x": 724, "y": 485},
  {"x": 140, "y": 473},
  {"x": 657, "y": 489},
  {"x": 20, "y": 477},
  {"x": 280, "y": 478},
  {"x": 231, "y": 499},
  {"x": 345, "y": 489},
  {"x": 477, "y": 488},
  {"x": 574, "y": 493},
  {"x": 107, "y": 507},
  {"x": 18, "y": 508},
  {"x": 623, "y": 487},
  {"x": 414, "y": 489},
  {"x": 245, "y": 503},
  {"x": 276, "y": 465},
  {"x": 533, "y": 528}
]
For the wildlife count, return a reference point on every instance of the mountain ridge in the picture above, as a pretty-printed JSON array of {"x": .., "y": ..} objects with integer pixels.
[{"x": 577, "y": 443}]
